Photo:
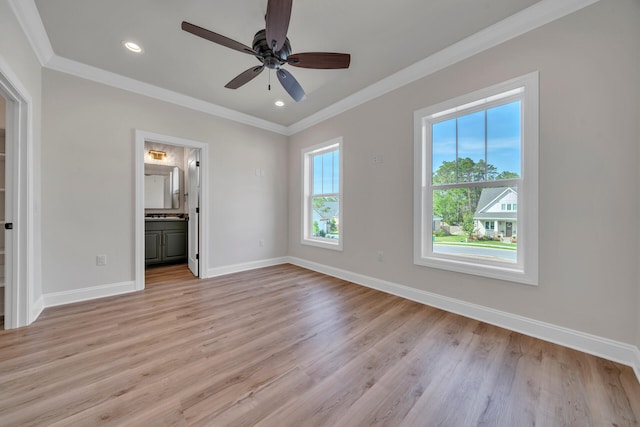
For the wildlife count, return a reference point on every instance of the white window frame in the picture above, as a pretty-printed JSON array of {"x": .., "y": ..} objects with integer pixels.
[
  {"x": 307, "y": 178},
  {"x": 525, "y": 269}
]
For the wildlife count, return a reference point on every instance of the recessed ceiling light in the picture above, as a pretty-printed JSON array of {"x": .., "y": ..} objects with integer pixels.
[
  {"x": 279, "y": 103},
  {"x": 133, "y": 47}
]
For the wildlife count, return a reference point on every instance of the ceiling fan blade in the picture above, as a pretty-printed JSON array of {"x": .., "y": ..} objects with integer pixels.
[
  {"x": 322, "y": 60},
  {"x": 291, "y": 85},
  {"x": 278, "y": 16},
  {"x": 245, "y": 77},
  {"x": 217, "y": 38}
]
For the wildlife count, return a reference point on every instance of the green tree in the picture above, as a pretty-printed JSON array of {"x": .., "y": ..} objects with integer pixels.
[
  {"x": 452, "y": 205},
  {"x": 507, "y": 175},
  {"x": 316, "y": 229},
  {"x": 468, "y": 225}
]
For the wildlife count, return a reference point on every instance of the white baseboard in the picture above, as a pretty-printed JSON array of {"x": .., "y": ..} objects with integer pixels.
[
  {"x": 245, "y": 266},
  {"x": 84, "y": 294},
  {"x": 625, "y": 354},
  {"x": 36, "y": 309}
]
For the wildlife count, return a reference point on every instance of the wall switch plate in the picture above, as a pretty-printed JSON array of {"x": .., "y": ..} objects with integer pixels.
[{"x": 101, "y": 260}]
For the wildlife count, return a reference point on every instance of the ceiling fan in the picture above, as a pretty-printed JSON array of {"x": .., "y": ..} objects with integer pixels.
[{"x": 271, "y": 46}]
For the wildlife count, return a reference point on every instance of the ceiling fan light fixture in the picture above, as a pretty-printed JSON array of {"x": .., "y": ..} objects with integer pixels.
[
  {"x": 272, "y": 48},
  {"x": 132, "y": 47}
]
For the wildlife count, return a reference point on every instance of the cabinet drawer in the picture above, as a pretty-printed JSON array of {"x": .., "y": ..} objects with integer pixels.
[{"x": 165, "y": 225}]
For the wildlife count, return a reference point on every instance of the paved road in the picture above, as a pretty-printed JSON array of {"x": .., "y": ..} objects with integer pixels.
[{"x": 502, "y": 254}]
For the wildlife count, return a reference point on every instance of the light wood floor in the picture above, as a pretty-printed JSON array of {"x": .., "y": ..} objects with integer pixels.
[{"x": 284, "y": 346}]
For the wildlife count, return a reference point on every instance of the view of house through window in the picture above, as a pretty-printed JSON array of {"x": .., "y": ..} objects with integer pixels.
[
  {"x": 476, "y": 182},
  {"x": 475, "y": 160},
  {"x": 322, "y": 219}
]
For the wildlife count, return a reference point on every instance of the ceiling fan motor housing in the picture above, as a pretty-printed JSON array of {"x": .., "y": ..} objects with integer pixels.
[{"x": 268, "y": 57}]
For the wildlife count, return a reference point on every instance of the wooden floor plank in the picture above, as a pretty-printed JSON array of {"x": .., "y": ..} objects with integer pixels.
[{"x": 283, "y": 346}]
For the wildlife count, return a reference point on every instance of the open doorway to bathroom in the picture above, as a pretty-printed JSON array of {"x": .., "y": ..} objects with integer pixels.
[
  {"x": 170, "y": 209},
  {"x": 171, "y": 226}
]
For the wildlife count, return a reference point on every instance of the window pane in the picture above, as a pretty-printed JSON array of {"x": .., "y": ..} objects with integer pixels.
[
  {"x": 327, "y": 173},
  {"x": 471, "y": 222},
  {"x": 336, "y": 171},
  {"x": 444, "y": 152},
  {"x": 471, "y": 147},
  {"x": 325, "y": 221},
  {"x": 503, "y": 140},
  {"x": 317, "y": 175}
]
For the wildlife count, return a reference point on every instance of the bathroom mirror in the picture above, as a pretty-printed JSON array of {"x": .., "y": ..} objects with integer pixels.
[{"x": 161, "y": 187}]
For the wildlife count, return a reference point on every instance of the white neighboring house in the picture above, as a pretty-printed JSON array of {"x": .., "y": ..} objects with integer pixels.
[
  {"x": 497, "y": 213},
  {"x": 323, "y": 215}
]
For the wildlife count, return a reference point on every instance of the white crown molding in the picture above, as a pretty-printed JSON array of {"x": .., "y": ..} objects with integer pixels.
[
  {"x": 99, "y": 75},
  {"x": 616, "y": 351},
  {"x": 535, "y": 16},
  {"x": 522, "y": 22},
  {"x": 28, "y": 17}
]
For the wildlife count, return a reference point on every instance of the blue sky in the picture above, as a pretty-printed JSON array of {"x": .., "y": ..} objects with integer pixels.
[
  {"x": 502, "y": 142},
  {"x": 326, "y": 172}
]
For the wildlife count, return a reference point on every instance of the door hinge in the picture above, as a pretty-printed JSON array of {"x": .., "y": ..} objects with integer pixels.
[
  {"x": 197, "y": 164},
  {"x": 197, "y": 256},
  {"x": 8, "y": 226},
  {"x": 197, "y": 210}
]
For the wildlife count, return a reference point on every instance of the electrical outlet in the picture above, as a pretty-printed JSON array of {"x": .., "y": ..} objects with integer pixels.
[
  {"x": 101, "y": 260},
  {"x": 378, "y": 159}
]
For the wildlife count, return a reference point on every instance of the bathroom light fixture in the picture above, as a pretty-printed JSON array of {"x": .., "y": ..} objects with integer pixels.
[
  {"x": 279, "y": 103},
  {"x": 133, "y": 47},
  {"x": 157, "y": 155}
]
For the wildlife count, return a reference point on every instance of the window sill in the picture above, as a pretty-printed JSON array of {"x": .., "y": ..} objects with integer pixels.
[
  {"x": 511, "y": 274},
  {"x": 325, "y": 243}
]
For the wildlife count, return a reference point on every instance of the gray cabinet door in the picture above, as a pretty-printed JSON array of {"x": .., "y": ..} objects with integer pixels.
[
  {"x": 175, "y": 245},
  {"x": 165, "y": 242},
  {"x": 152, "y": 246}
]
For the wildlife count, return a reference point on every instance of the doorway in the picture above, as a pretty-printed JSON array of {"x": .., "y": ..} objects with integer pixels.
[
  {"x": 21, "y": 303},
  {"x": 162, "y": 234},
  {"x": 3, "y": 158}
]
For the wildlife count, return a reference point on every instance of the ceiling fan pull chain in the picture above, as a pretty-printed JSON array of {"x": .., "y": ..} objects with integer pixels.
[{"x": 269, "y": 78}]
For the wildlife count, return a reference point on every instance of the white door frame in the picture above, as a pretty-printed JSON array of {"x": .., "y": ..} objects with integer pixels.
[
  {"x": 141, "y": 137},
  {"x": 21, "y": 306}
]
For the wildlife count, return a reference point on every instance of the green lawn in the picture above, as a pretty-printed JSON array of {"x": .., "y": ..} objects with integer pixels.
[{"x": 462, "y": 240}]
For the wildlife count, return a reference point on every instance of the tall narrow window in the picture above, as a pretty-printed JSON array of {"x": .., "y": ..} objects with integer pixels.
[
  {"x": 322, "y": 201},
  {"x": 476, "y": 171}
]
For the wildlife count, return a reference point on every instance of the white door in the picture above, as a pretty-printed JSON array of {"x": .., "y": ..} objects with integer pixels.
[{"x": 194, "y": 211}]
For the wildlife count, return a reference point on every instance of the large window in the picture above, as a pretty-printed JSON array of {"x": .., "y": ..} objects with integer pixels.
[
  {"x": 322, "y": 199},
  {"x": 476, "y": 172}
]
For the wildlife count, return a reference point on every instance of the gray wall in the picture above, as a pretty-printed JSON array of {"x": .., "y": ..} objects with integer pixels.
[
  {"x": 88, "y": 182},
  {"x": 589, "y": 64}
]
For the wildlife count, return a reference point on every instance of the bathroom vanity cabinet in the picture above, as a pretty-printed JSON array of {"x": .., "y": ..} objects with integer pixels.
[{"x": 165, "y": 241}]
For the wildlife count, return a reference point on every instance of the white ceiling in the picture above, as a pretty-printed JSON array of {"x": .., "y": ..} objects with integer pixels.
[{"x": 383, "y": 37}]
